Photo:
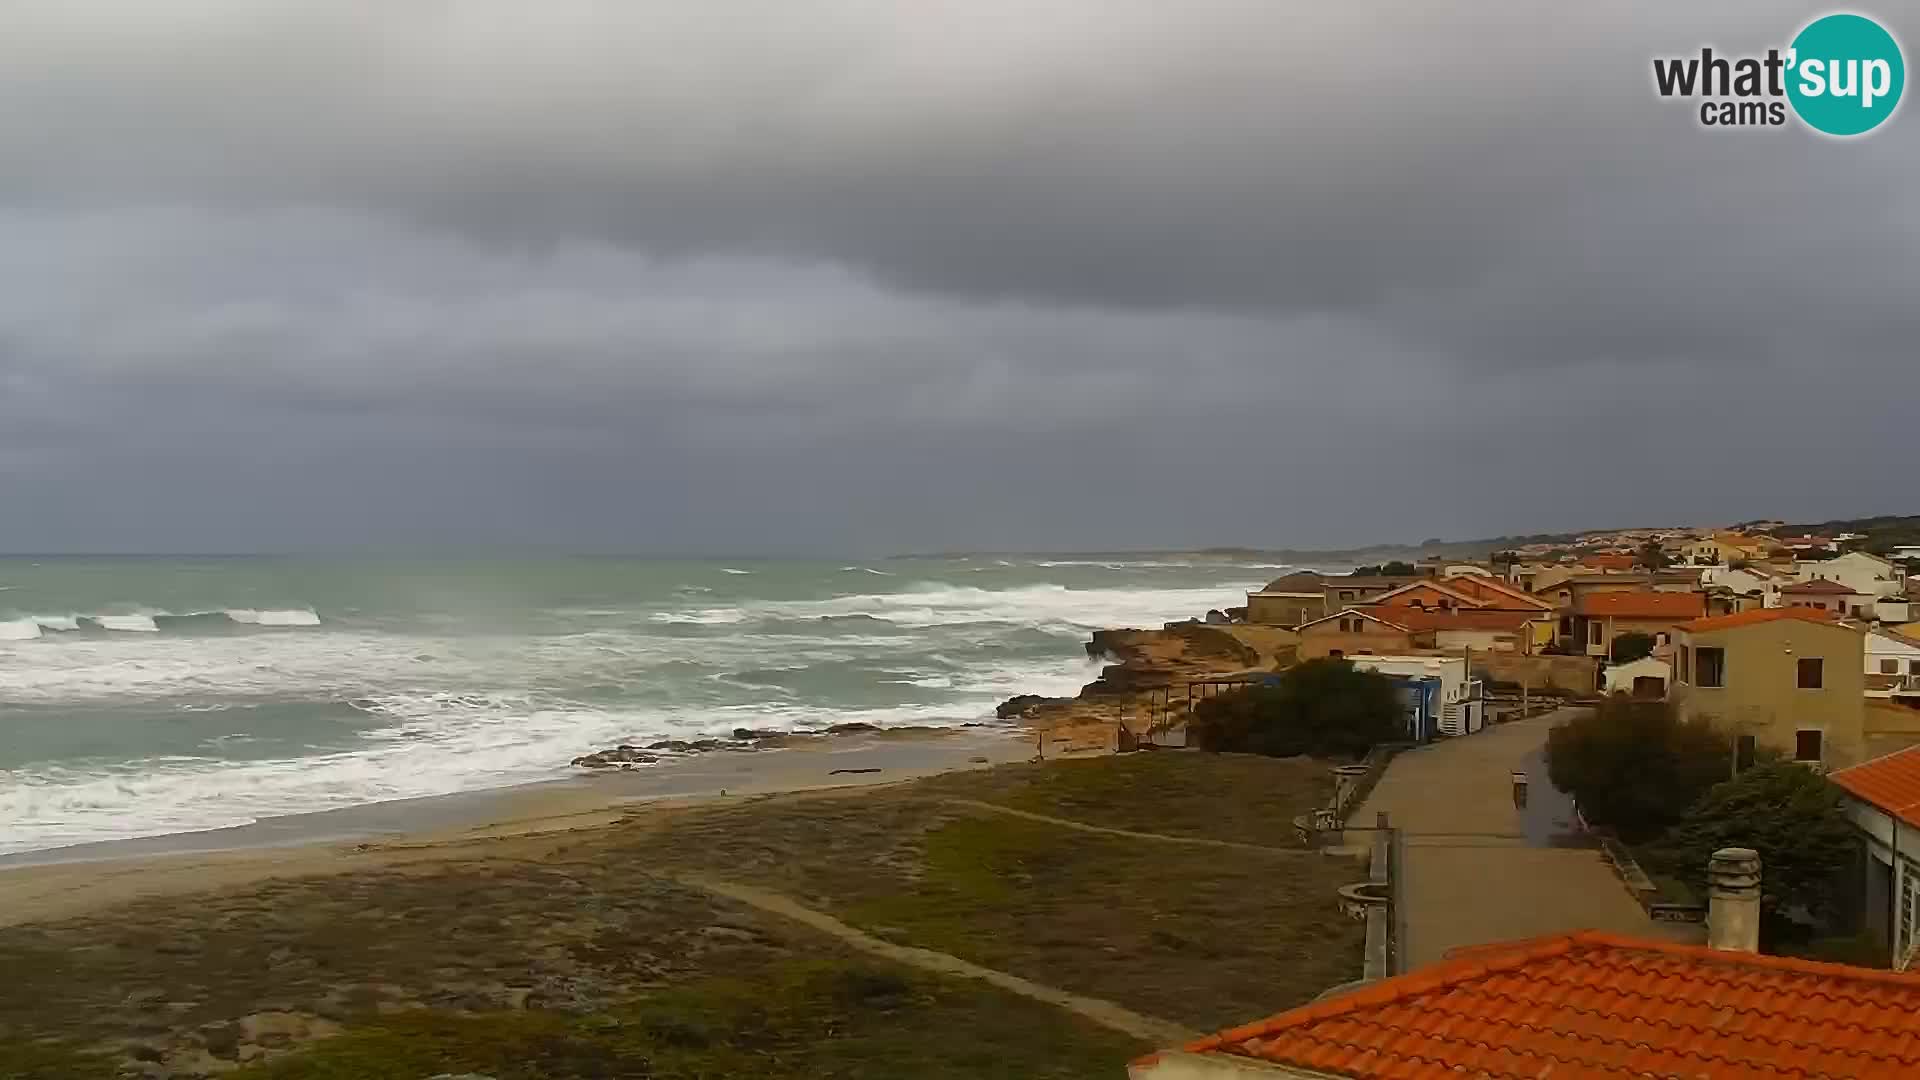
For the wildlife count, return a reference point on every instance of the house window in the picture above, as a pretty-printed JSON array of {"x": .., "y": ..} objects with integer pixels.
[
  {"x": 1889, "y": 667},
  {"x": 1593, "y": 633},
  {"x": 1566, "y": 626},
  {"x": 1346, "y": 594},
  {"x": 1743, "y": 753},
  {"x": 1806, "y": 745},
  {"x": 1711, "y": 663},
  {"x": 1811, "y": 673},
  {"x": 1913, "y": 667}
]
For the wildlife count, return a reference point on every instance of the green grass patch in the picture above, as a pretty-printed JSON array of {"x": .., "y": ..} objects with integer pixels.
[
  {"x": 1242, "y": 798},
  {"x": 24, "y": 1060},
  {"x": 1202, "y": 936},
  {"x": 850, "y": 1019}
]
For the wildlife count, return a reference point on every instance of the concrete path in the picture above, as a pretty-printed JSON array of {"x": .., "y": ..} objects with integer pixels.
[
  {"x": 1148, "y": 1029},
  {"x": 1476, "y": 870}
]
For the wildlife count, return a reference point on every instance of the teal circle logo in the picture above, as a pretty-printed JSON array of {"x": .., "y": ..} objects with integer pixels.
[{"x": 1845, "y": 74}]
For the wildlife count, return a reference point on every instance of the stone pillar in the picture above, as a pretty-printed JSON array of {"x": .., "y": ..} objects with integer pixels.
[{"x": 1733, "y": 900}]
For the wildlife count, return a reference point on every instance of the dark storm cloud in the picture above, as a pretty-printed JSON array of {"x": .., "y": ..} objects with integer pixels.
[{"x": 1068, "y": 273}]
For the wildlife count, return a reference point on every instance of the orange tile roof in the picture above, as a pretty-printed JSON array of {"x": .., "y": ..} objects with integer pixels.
[
  {"x": 1610, "y": 561},
  {"x": 1596, "y": 1006},
  {"x": 1480, "y": 585},
  {"x": 1757, "y": 616},
  {"x": 1643, "y": 604},
  {"x": 1891, "y": 783},
  {"x": 1818, "y": 586},
  {"x": 1412, "y": 618}
]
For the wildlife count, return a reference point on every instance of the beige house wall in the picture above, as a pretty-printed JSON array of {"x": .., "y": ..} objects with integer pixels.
[
  {"x": 1325, "y": 638},
  {"x": 1284, "y": 609},
  {"x": 1762, "y": 696}
]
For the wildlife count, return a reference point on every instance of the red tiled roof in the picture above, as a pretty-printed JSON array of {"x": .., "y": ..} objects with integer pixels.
[
  {"x": 1413, "y": 618},
  {"x": 1818, "y": 586},
  {"x": 1609, "y": 561},
  {"x": 1643, "y": 605},
  {"x": 1595, "y": 1006},
  {"x": 1891, "y": 783},
  {"x": 1757, "y": 616},
  {"x": 1480, "y": 585}
]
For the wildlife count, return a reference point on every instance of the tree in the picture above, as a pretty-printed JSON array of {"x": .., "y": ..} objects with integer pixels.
[
  {"x": 1388, "y": 569},
  {"x": 1653, "y": 556},
  {"x": 1630, "y": 646},
  {"x": 1633, "y": 766},
  {"x": 1327, "y": 708},
  {"x": 1787, "y": 813}
]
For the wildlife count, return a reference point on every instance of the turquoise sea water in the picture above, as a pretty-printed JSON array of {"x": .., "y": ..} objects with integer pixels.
[{"x": 147, "y": 696}]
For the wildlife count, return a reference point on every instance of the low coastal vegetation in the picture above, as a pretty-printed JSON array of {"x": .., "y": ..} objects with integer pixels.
[
  {"x": 621, "y": 951},
  {"x": 1670, "y": 790},
  {"x": 1326, "y": 708}
]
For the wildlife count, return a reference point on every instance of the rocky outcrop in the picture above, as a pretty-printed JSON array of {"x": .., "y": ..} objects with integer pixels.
[
  {"x": 1020, "y": 705},
  {"x": 620, "y": 757}
]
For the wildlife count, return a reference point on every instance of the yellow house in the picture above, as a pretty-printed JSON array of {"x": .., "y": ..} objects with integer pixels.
[{"x": 1788, "y": 679}]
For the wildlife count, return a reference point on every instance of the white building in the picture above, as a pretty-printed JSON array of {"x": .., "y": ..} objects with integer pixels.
[
  {"x": 1747, "y": 581},
  {"x": 1889, "y": 653},
  {"x": 1869, "y": 575},
  {"x": 1881, "y": 803},
  {"x": 1648, "y": 676},
  {"x": 1460, "y": 705}
]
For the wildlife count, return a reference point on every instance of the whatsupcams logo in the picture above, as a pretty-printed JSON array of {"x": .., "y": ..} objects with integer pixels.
[{"x": 1842, "y": 75}]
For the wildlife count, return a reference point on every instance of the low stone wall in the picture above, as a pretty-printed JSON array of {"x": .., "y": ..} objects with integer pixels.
[
  {"x": 1643, "y": 890},
  {"x": 1575, "y": 675}
]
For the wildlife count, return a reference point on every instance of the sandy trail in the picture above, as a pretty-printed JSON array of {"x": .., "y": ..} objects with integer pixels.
[{"x": 1105, "y": 1013}]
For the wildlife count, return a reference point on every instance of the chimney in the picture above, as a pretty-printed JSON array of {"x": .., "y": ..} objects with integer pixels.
[{"x": 1733, "y": 900}]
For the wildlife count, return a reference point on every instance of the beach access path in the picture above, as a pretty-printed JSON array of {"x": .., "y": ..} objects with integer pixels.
[{"x": 1475, "y": 869}]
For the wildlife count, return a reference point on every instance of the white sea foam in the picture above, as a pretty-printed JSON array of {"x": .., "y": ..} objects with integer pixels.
[
  {"x": 939, "y": 604},
  {"x": 288, "y": 617},
  {"x": 19, "y": 630},
  {"x": 61, "y": 623},
  {"x": 459, "y": 702},
  {"x": 731, "y": 570},
  {"x": 130, "y": 624}
]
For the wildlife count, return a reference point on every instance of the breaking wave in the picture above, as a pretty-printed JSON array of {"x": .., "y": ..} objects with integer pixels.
[{"x": 29, "y": 627}]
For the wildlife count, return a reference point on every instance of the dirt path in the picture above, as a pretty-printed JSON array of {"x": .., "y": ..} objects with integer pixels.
[
  {"x": 1105, "y": 1013},
  {"x": 1081, "y": 826}
]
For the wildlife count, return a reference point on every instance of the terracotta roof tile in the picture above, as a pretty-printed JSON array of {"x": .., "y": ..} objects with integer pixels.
[
  {"x": 1590, "y": 1005},
  {"x": 1891, "y": 783},
  {"x": 1757, "y": 616},
  {"x": 1643, "y": 604},
  {"x": 1413, "y": 618},
  {"x": 1818, "y": 586}
]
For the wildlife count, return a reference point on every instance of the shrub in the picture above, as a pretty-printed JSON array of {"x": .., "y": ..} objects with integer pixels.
[
  {"x": 1633, "y": 766},
  {"x": 1630, "y": 646},
  {"x": 1327, "y": 708},
  {"x": 1784, "y": 811}
]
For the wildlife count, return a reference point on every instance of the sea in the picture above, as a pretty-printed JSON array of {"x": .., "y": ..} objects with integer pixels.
[{"x": 147, "y": 696}]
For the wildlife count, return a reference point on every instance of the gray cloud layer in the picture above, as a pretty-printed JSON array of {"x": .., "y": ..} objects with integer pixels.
[{"x": 867, "y": 276}]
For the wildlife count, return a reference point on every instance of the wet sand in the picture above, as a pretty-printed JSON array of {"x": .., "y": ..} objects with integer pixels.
[{"x": 69, "y": 881}]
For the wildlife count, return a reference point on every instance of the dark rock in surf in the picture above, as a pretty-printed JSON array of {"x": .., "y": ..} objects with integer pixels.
[{"x": 620, "y": 756}]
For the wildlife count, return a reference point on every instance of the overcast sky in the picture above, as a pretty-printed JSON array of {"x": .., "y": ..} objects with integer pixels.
[{"x": 861, "y": 277}]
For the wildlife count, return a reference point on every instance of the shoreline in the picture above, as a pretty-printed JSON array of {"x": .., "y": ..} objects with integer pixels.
[{"x": 62, "y": 882}]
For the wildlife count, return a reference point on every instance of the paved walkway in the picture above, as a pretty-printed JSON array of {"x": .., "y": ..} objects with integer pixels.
[{"x": 1477, "y": 870}]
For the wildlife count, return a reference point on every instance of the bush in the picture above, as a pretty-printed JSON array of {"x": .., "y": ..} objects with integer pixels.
[
  {"x": 1787, "y": 813},
  {"x": 1633, "y": 766},
  {"x": 1630, "y": 646},
  {"x": 1327, "y": 708}
]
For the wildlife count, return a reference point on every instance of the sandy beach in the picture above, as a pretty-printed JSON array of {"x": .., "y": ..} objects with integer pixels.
[{"x": 71, "y": 881}]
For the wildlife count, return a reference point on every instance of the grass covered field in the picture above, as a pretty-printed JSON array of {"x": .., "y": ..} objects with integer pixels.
[{"x": 600, "y": 953}]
